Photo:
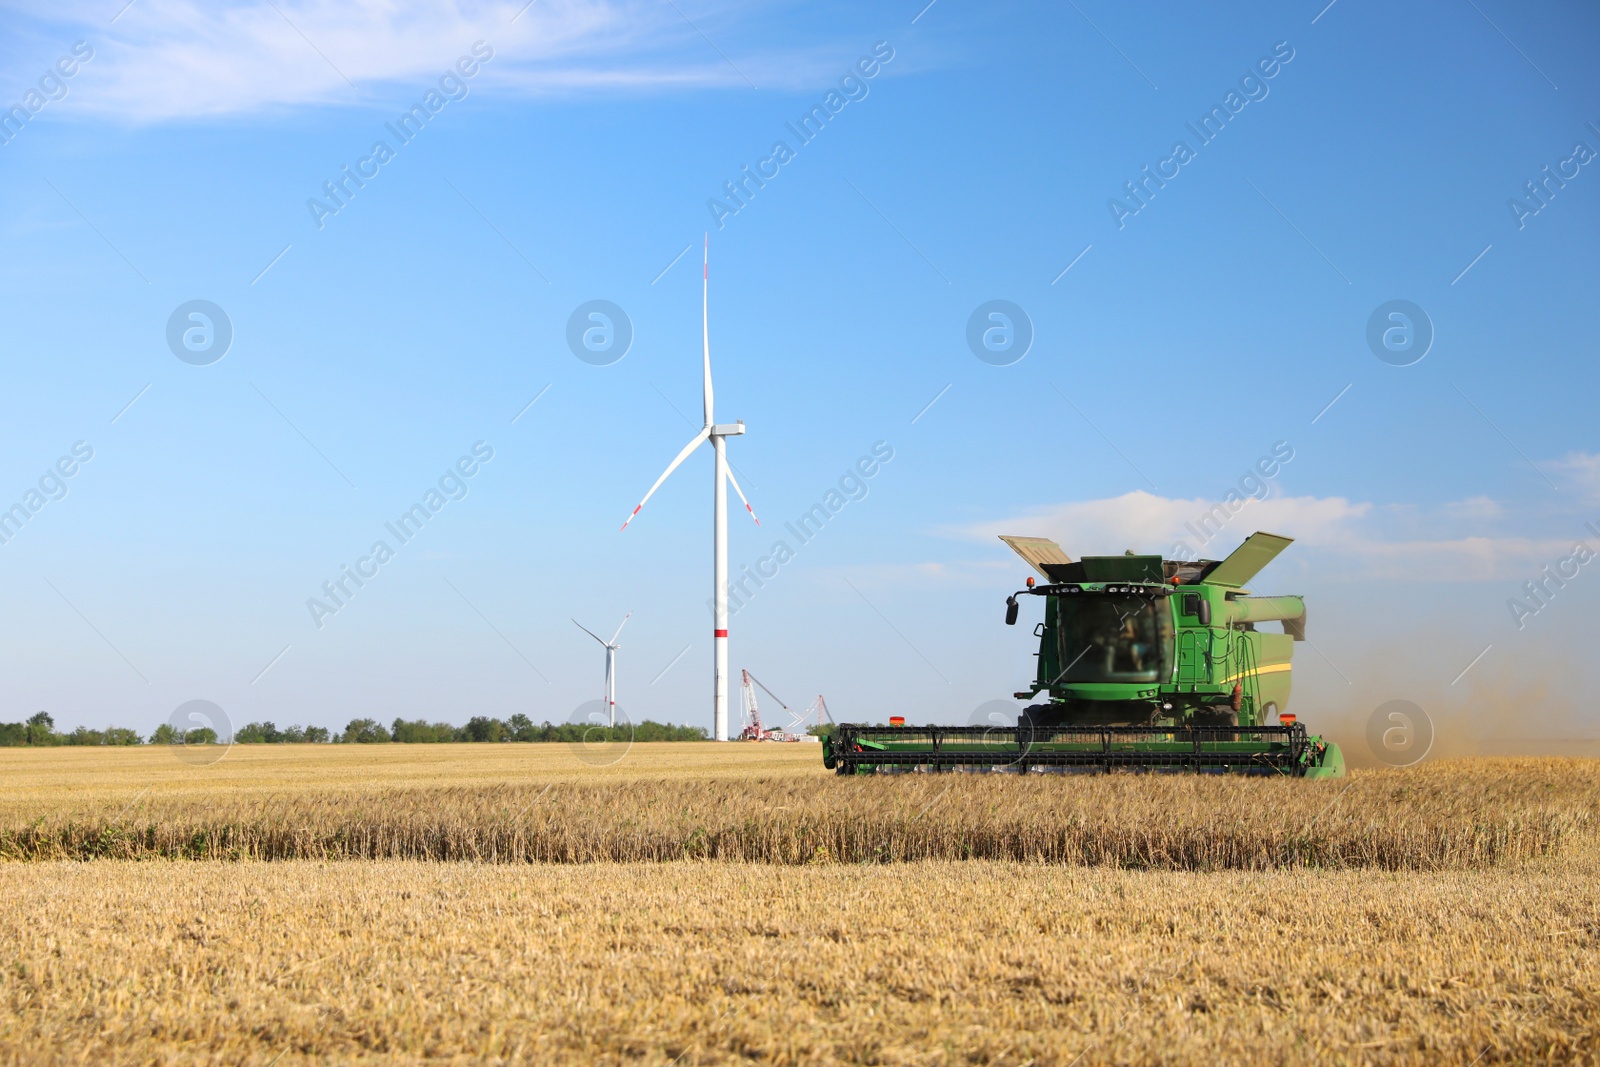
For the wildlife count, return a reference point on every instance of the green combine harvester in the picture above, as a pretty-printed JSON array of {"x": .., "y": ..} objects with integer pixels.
[{"x": 1146, "y": 664}]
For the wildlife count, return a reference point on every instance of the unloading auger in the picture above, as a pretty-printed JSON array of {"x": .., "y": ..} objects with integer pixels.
[{"x": 1145, "y": 664}]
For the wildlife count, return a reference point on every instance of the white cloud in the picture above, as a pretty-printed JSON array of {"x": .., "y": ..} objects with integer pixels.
[
  {"x": 1476, "y": 507},
  {"x": 1580, "y": 471},
  {"x": 166, "y": 59},
  {"x": 1352, "y": 538},
  {"x": 1145, "y": 522}
]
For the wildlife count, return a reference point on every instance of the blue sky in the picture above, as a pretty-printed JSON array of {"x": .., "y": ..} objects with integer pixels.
[{"x": 980, "y": 162}]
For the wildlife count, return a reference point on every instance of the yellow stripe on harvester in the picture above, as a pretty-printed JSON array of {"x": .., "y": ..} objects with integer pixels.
[{"x": 1271, "y": 668}]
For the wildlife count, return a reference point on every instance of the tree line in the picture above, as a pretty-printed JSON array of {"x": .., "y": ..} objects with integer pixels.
[
  {"x": 482, "y": 728},
  {"x": 40, "y": 730}
]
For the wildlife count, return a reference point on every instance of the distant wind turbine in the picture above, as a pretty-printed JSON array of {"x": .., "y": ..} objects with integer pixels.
[
  {"x": 611, "y": 647},
  {"x": 716, "y": 434}
]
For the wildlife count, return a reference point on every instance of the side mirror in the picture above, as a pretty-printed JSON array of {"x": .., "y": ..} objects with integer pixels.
[
  {"x": 1011, "y": 611},
  {"x": 1205, "y": 612}
]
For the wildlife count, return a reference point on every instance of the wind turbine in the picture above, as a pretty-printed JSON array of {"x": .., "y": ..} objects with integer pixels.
[
  {"x": 717, "y": 435},
  {"x": 611, "y": 662}
]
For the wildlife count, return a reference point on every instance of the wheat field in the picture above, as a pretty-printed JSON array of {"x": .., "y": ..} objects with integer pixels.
[
  {"x": 770, "y": 804},
  {"x": 700, "y": 904}
]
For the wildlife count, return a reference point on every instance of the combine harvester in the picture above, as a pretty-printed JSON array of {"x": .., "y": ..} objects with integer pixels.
[{"x": 1147, "y": 664}]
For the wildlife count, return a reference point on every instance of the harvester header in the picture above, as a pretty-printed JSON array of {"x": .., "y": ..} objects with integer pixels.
[{"x": 1144, "y": 663}]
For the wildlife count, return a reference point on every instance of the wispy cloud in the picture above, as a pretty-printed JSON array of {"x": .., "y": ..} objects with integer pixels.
[
  {"x": 1579, "y": 471},
  {"x": 1146, "y": 522},
  {"x": 1457, "y": 541},
  {"x": 172, "y": 59}
]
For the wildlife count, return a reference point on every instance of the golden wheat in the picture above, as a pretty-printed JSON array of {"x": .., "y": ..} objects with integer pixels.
[
  {"x": 1460, "y": 814},
  {"x": 1445, "y": 914},
  {"x": 703, "y": 963},
  {"x": 92, "y": 778}
]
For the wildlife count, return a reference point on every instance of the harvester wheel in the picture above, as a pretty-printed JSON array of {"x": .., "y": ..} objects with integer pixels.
[{"x": 1035, "y": 715}]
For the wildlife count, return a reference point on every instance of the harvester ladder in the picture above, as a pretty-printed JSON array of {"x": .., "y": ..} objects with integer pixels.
[
  {"x": 1238, "y": 665},
  {"x": 1249, "y": 678}
]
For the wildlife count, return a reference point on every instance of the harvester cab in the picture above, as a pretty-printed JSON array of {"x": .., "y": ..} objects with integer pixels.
[
  {"x": 1144, "y": 663},
  {"x": 1139, "y": 640}
]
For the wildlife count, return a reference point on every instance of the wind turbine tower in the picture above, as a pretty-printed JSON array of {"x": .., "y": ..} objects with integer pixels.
[
  {"x": 611, "y": 662},
  {"x": 717, "y": 434}
]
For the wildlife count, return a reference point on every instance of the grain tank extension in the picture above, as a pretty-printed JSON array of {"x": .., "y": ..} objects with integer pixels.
[{"x": 1144, "y": 664}]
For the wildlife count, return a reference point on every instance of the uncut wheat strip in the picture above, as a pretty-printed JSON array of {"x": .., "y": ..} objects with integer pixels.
[
  {"x": 1163, "y": 823},
  {"x": 853, "y": 840}
]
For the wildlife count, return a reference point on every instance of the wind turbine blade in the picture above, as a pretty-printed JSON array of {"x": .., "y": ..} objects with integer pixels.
[
  {"x": 620, "y": 625},
  {"x": 735, "y": 483},
  {"x": 705, "y": 324},
  {"x": 588, "y": 631},
  {"x": 704, "y": 433}
]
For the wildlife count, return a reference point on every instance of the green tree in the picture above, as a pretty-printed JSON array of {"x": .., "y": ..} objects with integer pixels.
[
  {"x": 659, "y": 731},
  {"x": 522, "y": 728},
  {"x": 317, "y": 735},
  {"x": 200, "y": 735},
  {"x": 364, "y": 732},
  {"x": 422, "y": 732},
  {"x": 483, "y": 728},
  {"x": 164, "y": 735},
  {"x": 41, "y": 729},
  {"x": 258, "y": 733}
]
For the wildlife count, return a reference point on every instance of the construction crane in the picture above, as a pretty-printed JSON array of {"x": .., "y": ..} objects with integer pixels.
[
  {"x": 818, "y": 708},
  {"x": 753, "y": 730}
]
